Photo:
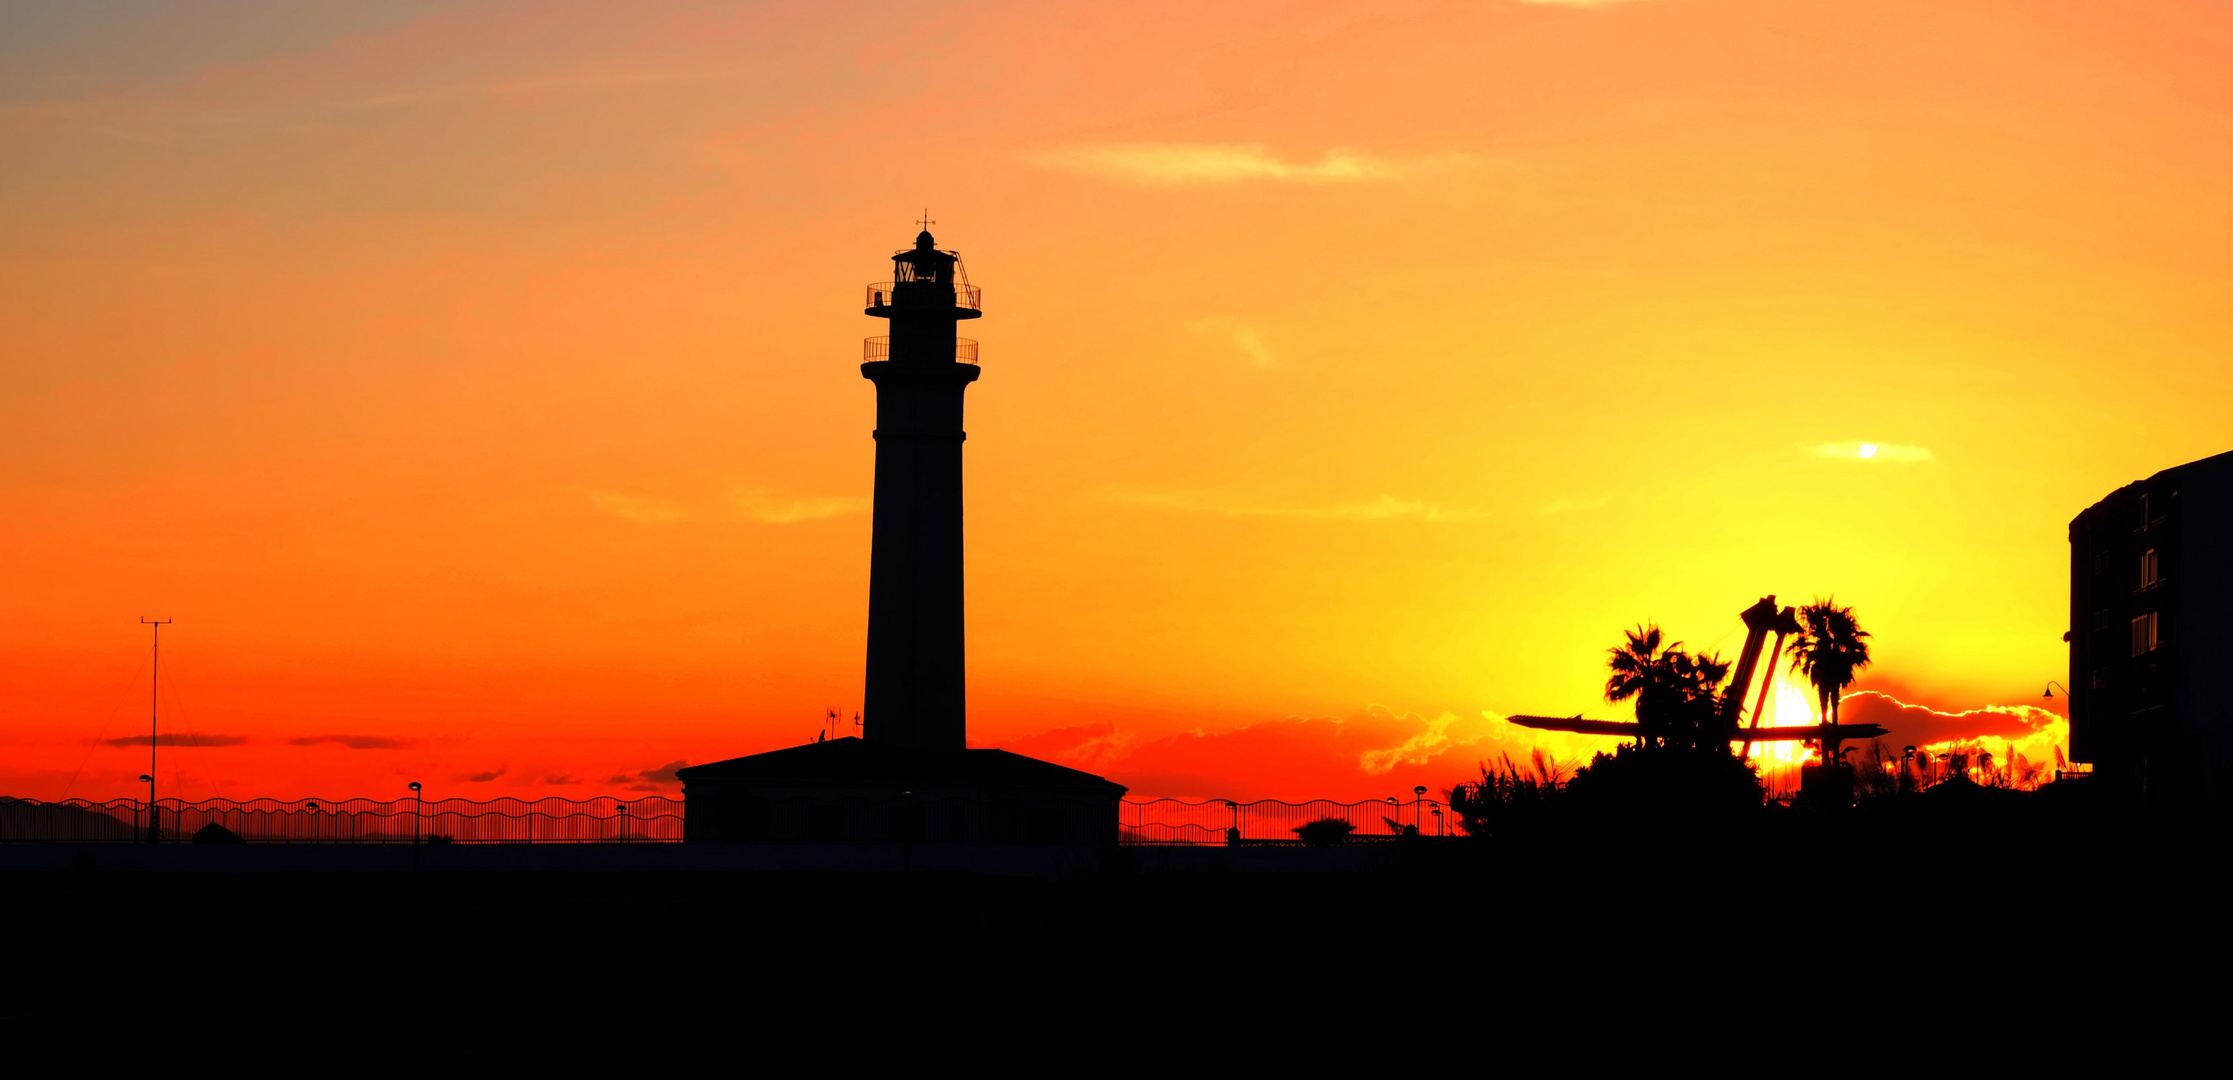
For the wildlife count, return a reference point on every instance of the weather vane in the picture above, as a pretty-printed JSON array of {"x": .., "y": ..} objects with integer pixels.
[{"x": 926, "y": 222}]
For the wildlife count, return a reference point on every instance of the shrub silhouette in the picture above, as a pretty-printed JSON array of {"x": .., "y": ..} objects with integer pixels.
[
  {"x": 1507, "y": 795},
  {"x": 1659, "y": 787},
  {"x": 213, "y": 833},
  {"x": 1324, "y": 831}
]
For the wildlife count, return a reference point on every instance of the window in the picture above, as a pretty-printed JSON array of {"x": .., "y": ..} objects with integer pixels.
[
  {"x": 2101, "y": 678},
  {"x": 2100, "y": 561},
  {"x": 2143, "y": 513},
  {"x": 2148, "y": 569},
  {"x": 825, "y": 823},
  {"x": 2144, "y": 636},
  {"x": 2101, "y": 618}
]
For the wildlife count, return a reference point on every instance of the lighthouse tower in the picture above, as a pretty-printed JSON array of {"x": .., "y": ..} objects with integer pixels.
[
  {"x": 915, "y": 695},
  {"x": 910, "y": 778}
]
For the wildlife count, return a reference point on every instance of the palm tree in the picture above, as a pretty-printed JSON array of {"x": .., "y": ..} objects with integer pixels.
[
  {"x": 1830, "y": 649},
  {"x": 1677, "y": 694}
]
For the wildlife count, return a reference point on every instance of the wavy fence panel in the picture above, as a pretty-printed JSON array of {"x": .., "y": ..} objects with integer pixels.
[
  {"x": 1272, "y": 821},
  {"x": 607, "y": 820}
]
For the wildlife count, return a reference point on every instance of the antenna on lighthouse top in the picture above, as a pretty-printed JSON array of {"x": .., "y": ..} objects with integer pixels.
[{"x": 925, "y": 221}]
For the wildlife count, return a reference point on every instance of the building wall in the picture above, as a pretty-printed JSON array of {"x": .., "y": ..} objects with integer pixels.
[
  {"x": 999, "y": 814},
  {"x": 2151, "y": 595},
  {"x": 2205, "y": 597}
]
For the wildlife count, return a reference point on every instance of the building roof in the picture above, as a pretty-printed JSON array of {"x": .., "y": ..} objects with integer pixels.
[{"x": 856, "y": 759}]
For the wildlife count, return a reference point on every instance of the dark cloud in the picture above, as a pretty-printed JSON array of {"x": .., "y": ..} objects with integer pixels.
[
  {"x": 657, "y": 778},
  {"x": 1921, "y": 724},
  {"x": 485, "y": 777},
  {"x": 560, "y": 780},
  {"x": 183, "y": 738},
  {"x": 356, "y": 742}
]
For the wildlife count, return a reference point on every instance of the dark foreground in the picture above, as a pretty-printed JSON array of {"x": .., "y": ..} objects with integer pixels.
[{"x": 2035, "y": 951}]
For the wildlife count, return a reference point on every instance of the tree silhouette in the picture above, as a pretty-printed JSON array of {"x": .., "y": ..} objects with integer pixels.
[
  {"x": 1677, "y": 694},
  {"x": 1830, "y": 649}
]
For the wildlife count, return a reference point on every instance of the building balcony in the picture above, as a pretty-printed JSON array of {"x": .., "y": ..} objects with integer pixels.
[
  {"x": 877, "y": 350},
  {"x": 968, "y": 300}
]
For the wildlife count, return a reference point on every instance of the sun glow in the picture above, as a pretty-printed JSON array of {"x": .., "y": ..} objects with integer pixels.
[{"x": 1790, "y": 703}]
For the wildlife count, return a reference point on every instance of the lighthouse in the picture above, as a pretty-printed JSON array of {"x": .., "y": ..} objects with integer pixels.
[
  {"x": 910, "y": 778},
  {"x": 915, "y": 695}
]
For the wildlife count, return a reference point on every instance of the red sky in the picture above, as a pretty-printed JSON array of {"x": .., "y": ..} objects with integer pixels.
[{"x": 474, "y": 382}]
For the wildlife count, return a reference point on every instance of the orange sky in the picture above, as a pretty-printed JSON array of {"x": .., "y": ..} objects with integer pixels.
[{"x": 474, "y": 382}]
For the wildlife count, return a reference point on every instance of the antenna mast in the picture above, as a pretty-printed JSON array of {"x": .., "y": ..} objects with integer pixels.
[{"x": 154, "y": 676}]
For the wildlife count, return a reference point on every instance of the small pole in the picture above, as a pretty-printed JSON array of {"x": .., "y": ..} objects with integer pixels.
[
  {"x": 312, "y": 805},
  {"x": 418, "y": 810},
  {"x": 154, "y": 676}
]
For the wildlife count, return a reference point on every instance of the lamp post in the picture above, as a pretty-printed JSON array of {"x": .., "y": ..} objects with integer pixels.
[
  {"x": 312, "y": 806},
  {"x": 1438, "y": 821},
  {"x": 150, "y": 782},
  {"x": 418, "y": 810},
  {"x": 2050, "y": 691},
  {"x": 1418, "y": 797},
  {"x": 1233, "y": 834}
]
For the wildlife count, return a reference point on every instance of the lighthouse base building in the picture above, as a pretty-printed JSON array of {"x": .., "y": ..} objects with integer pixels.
[{"x": 911, "y": 776}]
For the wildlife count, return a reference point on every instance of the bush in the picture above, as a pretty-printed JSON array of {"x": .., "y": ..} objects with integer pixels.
[
  {"x": 213, "y": 833},
  {"x": 1654, "y": 788},
  {"x": 1324, "y": 831}
]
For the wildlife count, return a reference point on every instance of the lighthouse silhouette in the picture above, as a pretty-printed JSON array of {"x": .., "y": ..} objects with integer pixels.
[
  {"x": 916, "y": 688},
  {"x": 911, "y": 777}
]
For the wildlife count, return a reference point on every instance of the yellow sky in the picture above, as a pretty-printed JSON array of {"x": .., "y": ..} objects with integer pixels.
[{"x": 482, "y": 375}]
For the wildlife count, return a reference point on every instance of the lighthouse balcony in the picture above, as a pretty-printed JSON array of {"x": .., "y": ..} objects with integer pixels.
[
  {"x": 878, "y": 350},
  {"x": 966, "y": 301}
]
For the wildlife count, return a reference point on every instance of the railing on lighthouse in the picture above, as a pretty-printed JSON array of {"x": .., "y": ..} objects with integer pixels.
[
  {"x": 877, "y": 350},
  {"x": 882, "y": 297}
]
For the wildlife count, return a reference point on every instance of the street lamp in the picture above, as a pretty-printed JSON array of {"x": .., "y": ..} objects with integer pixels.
[
  {"x": 150, "y": 782},
  {"x": 1233, "y": 835},
  {"x": 312, "y": 806},
  {"x": 2050, "y": 691},
  {"x": 1437, "y": 821},
  {"x": 1418, "y": 794},
  {"x": 418, "y": 810}
]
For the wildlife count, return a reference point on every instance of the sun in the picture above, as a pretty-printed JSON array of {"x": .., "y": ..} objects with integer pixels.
[{"x": 1868, "y": 450}]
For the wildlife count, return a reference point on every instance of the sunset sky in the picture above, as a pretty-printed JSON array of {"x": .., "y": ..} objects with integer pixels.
[{"x": 475, "y": 383}]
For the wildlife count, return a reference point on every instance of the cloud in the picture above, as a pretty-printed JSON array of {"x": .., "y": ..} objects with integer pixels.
[
  {"x": 1921, "y": 724},
  {"x": 1182, "y": 164},
  {"x": 182, "y": 738},
  {"x": 762, "y": 506},
  {"x": 1237, "y": 333},
  {"x": 636, "y": 508},
  {"x": 560, "y": 778},
  {"x": 485, "y": 777},
  {"x": 739, "y": 504},
  {"x": 1373, "y": 755},
  {"x": 356, "y": 742},
  {"x": 1871, "y": 452},
  {"x": 656, "y": 778},
  {"x": 1566, "y": 506},
  {"x": 1385, "y": 508}
]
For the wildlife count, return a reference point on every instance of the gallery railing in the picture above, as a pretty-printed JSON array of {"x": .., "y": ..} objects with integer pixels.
[{"x": 654, "y": 819}]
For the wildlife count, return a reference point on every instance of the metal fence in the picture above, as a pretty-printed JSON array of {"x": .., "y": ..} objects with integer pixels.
[
  {"x": 655, "y": 819},
  {"x": 1273, "y": 821},
  {"x": 349, "y": 821}
]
